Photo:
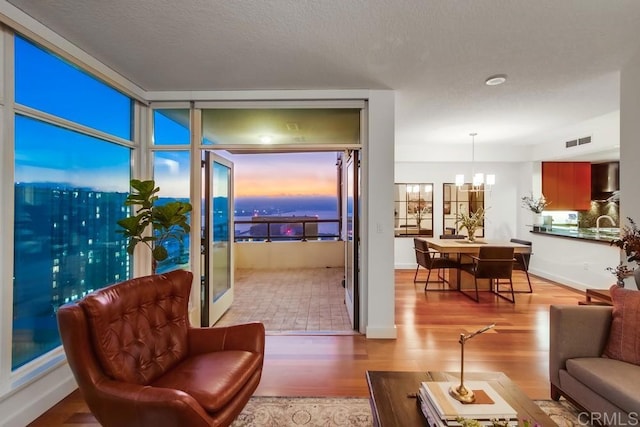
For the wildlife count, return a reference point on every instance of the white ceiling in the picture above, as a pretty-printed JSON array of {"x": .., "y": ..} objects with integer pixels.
[{"x": 562, "y": 56}]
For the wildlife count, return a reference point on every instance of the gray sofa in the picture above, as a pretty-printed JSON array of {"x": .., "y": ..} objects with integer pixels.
[{"x": 607, "y": 388}]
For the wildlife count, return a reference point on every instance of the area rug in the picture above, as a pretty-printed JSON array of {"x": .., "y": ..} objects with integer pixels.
[{"x": 349, "y": 412}]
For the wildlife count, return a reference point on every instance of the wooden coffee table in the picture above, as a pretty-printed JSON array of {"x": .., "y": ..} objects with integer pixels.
[{"x": 392, "y": 395}]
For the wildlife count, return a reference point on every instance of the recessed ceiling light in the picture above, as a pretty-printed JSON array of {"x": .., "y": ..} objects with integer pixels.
[
  {"x": 498, "y": 79},
  {"x": 266, "y": 139}
]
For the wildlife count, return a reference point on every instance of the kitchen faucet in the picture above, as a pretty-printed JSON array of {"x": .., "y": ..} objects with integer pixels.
[{"x": 602, "y": 217}]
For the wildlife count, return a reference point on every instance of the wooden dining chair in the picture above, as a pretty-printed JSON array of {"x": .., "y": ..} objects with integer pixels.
[
  {"x": 494, "y": 263},
  {"x": 430, "y": 260},
  {"x": 522, "y": 262}
]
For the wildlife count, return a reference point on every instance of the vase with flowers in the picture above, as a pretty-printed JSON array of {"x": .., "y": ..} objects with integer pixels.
[
  {"x": 629, "y": 242},
  {"x": 622, "y": 271},
  {"x": 471, "y": 221},
  {"x": 536, "y": 205}
]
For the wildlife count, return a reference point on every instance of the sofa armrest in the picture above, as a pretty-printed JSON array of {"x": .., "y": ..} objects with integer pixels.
[
  {"x": 576, "y": 331},
  {"x": 124, "y": 404},
  {"x": 247, "y": 336}
]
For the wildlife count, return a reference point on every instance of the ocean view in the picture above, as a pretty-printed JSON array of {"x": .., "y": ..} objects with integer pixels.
[{"x": 319, "y": 207}]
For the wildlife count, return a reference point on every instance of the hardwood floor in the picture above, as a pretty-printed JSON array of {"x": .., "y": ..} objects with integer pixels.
[{"x": 429, "y": 325}]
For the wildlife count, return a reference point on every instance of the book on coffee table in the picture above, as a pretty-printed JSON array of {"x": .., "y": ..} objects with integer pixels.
[
  {"x": 489, "y": 404},
  {"x": 432, "y": 419}
]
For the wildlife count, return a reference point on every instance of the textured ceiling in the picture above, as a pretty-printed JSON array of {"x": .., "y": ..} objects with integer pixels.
[{"x": 562, "y": 57}]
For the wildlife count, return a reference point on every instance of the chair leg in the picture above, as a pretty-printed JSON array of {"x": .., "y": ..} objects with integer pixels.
[
  {"x": 441, "y": 276},
  {"x": 468, "y": 295},
  {"x": 496, "y": 290},
  {"x": 427, "y": 282},
  {"x": 530, "y": 291},
  {"x": 441, "y": 280},
  {"x": 416, "y": 273},
  {"x": 528, "y": 281}
]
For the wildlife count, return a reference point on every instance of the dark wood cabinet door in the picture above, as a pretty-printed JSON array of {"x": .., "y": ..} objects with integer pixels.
[{"x": 567, "y": 185}]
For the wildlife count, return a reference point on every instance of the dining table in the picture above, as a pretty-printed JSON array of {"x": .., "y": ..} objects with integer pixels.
[{"x": 462, "y": 248}]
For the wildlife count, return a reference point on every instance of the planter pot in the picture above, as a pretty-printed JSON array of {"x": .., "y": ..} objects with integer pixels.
[{"x": 537, "y": 219}]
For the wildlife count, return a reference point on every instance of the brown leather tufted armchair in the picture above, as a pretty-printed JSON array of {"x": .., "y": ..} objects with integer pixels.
[{"x": 139, "y": 363}]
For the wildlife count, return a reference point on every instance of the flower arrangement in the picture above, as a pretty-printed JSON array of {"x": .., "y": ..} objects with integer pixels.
[
  {"x": 471, "y": 221},
  {"x": 420, "y": 213},
  {"x": 535, "y": 205},
  {"x": 621, "y": 272},
  {"x": 629, "y": 241}
]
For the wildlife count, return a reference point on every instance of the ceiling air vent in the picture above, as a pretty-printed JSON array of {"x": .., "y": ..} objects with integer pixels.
[
  {"x": 571, "y": 143},
  {"x": 584, "y": 140}
]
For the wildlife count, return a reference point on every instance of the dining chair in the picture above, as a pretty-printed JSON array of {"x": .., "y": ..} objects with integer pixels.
[
  {"x": 493, "y": 263},
  {"x": 522, "y": 262},
  {"x": 430, "y": 260}
]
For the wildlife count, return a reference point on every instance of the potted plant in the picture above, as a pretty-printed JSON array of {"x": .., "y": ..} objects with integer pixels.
[
  {"x": 629, "y": 242},
  {"x": 471, "y": 222},
  {"x": 168, "y": 221}
]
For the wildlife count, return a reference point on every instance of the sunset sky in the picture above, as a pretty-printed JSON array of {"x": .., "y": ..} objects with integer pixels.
[{"x": 285, "y": 175}]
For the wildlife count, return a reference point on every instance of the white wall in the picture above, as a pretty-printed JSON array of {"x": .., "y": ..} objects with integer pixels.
[
  {"x": 604, "y": 131},
  {"x": 630, "y": 140},
  {"x": 573, "y": 262},
  {"x": 378, "y": 299}
]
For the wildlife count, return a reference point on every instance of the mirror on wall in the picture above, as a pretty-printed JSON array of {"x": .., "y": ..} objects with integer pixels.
[
  {"x": 413, "y": 209},
  {"x": 457, "y": 200}
]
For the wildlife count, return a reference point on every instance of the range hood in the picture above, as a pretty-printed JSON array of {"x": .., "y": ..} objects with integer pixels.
[{"x": 605, "y": 180}]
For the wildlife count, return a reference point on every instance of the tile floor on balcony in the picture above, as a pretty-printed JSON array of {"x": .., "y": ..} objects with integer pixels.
[{"x": 307, "y": 300}]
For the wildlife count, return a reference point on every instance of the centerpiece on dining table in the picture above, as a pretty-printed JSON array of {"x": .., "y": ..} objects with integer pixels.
[{"x": 471, "y": 221}]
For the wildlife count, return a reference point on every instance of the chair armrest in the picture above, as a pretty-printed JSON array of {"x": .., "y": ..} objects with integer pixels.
[
  {"x": 116, "y": 403},
  {"x": 567, "y": 337},
  {"x": 247, "y": 336}
]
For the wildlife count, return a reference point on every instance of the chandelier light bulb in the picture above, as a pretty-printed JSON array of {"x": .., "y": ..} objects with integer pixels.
[{"x": 480, "y": 181}]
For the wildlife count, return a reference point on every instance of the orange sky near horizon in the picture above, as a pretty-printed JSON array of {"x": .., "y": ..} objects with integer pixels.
[{"x": 282, "y": 175}]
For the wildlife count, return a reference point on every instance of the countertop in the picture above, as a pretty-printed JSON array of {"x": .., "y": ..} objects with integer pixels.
[{"x": 604, "y": 235}]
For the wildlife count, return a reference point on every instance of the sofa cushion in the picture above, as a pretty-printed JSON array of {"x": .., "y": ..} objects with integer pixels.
[
  {"x": 139, "y": 327},
  {"x": 212, "y": 379},
  {"x": 624, "y": 336},
  {"x": 612, "y": 379}
]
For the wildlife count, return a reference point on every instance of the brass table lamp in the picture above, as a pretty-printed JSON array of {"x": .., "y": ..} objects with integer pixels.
[{"x": 460, "y": 392}]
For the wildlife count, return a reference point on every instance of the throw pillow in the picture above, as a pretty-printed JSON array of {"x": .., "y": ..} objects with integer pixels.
[{"x": 624, "y": 337}]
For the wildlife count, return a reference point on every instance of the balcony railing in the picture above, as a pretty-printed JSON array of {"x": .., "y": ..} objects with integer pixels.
[{"x": 270, "y": 229}]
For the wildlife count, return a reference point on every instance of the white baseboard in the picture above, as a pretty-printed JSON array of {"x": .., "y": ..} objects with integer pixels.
[
  {"x": 405, "y": 266},
  {"x": 25, "y": 405},
  {"x": 560, "y": 279},
  {"x": 382, "y": 333}
]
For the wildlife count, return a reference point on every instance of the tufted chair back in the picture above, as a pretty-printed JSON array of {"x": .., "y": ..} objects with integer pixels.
[{"x": 139, "y": 330}]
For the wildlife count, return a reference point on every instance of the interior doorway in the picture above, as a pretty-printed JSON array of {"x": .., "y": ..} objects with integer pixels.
[{"x": 294, "y": 258}]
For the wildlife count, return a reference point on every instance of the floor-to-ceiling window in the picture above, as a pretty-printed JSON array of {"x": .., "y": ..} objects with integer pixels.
[
  {"x": 72, "y": 151},
  {"x": 171, "y": 172}
]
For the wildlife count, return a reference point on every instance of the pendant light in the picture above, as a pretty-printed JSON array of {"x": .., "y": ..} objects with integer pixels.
[{"x": 479, "y": 181}]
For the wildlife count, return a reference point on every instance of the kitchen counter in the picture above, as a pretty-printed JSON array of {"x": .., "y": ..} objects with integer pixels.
[{"x": 604, "y": 235}]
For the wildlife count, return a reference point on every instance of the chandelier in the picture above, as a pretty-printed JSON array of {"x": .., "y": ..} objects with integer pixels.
[{"x": 479, "y": 181}]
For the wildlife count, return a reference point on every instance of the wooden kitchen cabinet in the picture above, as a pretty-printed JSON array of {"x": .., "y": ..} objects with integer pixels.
[{"x": 567, "y": 185}]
